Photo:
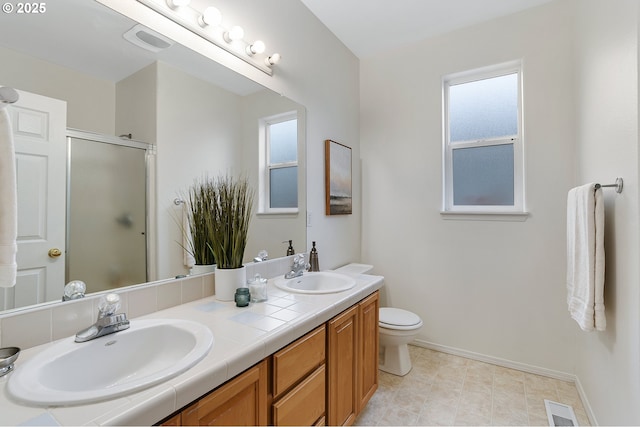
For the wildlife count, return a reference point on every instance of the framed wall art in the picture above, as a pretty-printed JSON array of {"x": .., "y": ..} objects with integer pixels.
[{"x": 337, "y": 177}]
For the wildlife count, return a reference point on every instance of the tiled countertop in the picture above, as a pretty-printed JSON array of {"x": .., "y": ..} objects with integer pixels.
[{"x": 242, "y": 337}]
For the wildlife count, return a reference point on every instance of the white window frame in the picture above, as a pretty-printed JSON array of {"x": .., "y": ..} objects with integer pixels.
[
  {"x": 265, "y": 166},
  {"x": 484, "y": 211}
]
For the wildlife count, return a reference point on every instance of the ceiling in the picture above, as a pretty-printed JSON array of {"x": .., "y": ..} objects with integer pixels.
[{"x": 368, "y": 27}]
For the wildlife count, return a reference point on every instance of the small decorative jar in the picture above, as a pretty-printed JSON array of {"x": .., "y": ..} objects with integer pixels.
[
  {"x": 242, "y": 297},
  {"x": 258, "y": 289}
]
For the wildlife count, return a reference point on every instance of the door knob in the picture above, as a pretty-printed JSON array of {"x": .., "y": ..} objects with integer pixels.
[{"x": 55, "y": 252}]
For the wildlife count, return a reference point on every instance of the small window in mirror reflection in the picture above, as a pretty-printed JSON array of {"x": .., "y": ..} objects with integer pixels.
[{"x": 279, "y": 164}]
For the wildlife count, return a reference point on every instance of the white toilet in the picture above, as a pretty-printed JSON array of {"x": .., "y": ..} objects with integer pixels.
[{"x": 397, "y": 328}]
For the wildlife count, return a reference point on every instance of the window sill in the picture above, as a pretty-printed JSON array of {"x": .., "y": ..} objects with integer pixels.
[
  {"x": 288, "y": 213},
  {"x": 485, "y": 216}
]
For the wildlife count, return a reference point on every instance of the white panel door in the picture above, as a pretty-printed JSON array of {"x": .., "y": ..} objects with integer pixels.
[{"x": 39, "y": 128}]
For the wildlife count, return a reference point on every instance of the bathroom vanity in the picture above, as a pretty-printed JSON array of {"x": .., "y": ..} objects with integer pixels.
[
  {"x": 325, "y": 377},
  {"x": 294, "y": 359}
]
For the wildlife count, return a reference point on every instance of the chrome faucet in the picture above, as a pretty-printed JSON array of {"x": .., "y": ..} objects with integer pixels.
[
  {"x": 297, "y": 268},
  {"x": 108, "y": 320}
]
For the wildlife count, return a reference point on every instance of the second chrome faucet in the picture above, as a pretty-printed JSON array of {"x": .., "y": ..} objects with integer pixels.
[{"x": 298, "y": 267}]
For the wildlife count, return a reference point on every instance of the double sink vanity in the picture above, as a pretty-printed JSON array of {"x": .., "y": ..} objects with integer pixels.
[{"x": 308, "y": 355}]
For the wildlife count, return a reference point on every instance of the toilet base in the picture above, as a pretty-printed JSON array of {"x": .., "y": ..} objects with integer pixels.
[{"x": 395, "y": 359}]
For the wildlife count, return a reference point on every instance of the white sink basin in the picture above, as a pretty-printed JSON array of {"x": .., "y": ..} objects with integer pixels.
[
  {"x": 149, "y": 352},
  {"x": 321, "y": 282}
]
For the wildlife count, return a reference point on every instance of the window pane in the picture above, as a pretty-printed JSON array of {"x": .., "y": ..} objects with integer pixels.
[
  {"x": 284, "y": 187},
  {"x": 484, "y": 109},
  {"x": 283, "y": 142},
  {"x": 483, "y": 176}
]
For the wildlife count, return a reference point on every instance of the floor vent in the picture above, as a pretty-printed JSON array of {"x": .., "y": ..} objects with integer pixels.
[{"x": 560, "y": 414}]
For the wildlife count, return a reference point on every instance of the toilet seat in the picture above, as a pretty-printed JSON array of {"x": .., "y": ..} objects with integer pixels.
[{"x": 399, "y": 319}]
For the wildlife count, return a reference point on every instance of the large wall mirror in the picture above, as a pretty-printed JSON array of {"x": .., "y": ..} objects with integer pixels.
[{"x": 191, "y": 116}]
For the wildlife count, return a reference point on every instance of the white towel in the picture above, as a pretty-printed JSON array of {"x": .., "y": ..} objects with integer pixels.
[
  {"x": 8, "y": 203},
  {"x": 187, "y": 257},
  {"x": 585, "y": 257}
]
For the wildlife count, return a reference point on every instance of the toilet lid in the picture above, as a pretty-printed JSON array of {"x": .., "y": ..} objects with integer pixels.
[{"x": 398, "y": 317}]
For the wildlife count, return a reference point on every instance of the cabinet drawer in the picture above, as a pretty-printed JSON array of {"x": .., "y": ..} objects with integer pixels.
[
  {"x": 305, "y": 404},
  {"x": 297, "y": 360}
]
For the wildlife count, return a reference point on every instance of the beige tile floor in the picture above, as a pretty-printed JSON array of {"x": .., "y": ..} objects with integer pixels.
[{"x": 444, "y": 389}]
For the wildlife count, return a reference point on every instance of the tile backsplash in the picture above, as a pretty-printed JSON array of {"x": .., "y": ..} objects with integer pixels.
[{"x": 49, "y": 322}]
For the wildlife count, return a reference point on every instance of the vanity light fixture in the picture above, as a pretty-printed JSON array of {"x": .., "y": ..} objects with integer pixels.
[
  {"x": 174, "y": 4},
  {"x": 257, "y": 47},
  {"x": 272, "y": 60},
  {"x": 206, "y": 22},
  {"x": 235, "y": 33},
  {"x": 210, "y": 16}
]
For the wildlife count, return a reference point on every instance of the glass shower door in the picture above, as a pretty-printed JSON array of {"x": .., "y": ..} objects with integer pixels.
[{"x": 106, "y": 214}]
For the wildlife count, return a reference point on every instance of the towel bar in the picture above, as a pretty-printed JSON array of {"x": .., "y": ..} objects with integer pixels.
[{"x": 619, "y": 183}]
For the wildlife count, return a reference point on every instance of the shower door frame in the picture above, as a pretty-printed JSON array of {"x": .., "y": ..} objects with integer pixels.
[{"x": 150, "y": 217}]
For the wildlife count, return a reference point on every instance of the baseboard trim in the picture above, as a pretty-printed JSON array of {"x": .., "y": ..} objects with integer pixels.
[
  {"x": 515, "y": 365},
  {"x": 585, "y": 403},
  {"x": 497, "y": 361}
]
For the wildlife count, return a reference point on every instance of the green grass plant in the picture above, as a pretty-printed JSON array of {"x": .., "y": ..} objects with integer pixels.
[
  {"x": 228, "y": 224},
  {"x": 199, "y": 204}
]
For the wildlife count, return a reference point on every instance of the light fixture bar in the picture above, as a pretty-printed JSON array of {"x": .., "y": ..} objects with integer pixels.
[
  {"x": 191, "y": 20},
  {"x": 210, "y": 16}
]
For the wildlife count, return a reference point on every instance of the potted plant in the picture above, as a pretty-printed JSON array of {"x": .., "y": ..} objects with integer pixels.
[
  {"x": 228, "y": 225},
  {"x": 199, "y": 202}
]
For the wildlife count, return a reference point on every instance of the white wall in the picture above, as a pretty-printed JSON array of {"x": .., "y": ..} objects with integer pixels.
[
  {"x": 607, "y": 363},
  {"x": 195, "y": 137},
  {"x": 136, "y": 98},
  {"x": 490, "y": 287},
  {"x": 90, "y": 101}
]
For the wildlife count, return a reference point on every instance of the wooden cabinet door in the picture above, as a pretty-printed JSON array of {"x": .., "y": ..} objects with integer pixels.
[
  {"x": 241, "y": 401},
  {"x": 342, "y": 402},
  {"x": 368, "y": 349}
]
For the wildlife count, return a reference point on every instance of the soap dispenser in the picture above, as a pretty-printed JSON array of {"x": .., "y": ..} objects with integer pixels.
[
  {"x": 290, "y": 250},
  {"x": 313, "y": 258}
]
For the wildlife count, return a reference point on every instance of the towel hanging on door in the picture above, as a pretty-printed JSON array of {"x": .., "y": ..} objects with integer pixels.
[
  {"x": 9, "y": 205},
  {"x": 585, "y": 257}
]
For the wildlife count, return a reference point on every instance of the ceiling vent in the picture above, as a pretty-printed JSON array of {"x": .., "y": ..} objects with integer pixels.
[{"x": 145, "y": 38}]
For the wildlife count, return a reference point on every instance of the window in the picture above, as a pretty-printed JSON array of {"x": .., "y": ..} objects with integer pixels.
[
  {"x": 483, "y": 155},
  {"x": 279, "y": 164}
]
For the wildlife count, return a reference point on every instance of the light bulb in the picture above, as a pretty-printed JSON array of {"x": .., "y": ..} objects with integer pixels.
[
  {"x": 210, "y": 16},
  {"x": 235, "y": 33},
  {"x": 257, "y": 47},
  {"x": 272, "y": 60},
  {"x": 173, "y": 4}
]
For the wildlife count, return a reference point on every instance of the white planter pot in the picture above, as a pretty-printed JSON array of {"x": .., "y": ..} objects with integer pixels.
[
  {"x": 227, "y": 280},
  {"x": 202, "y": 269}
]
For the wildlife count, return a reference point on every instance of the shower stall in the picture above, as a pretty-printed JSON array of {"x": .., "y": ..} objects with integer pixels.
[{"x": 107, "y": 217}]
